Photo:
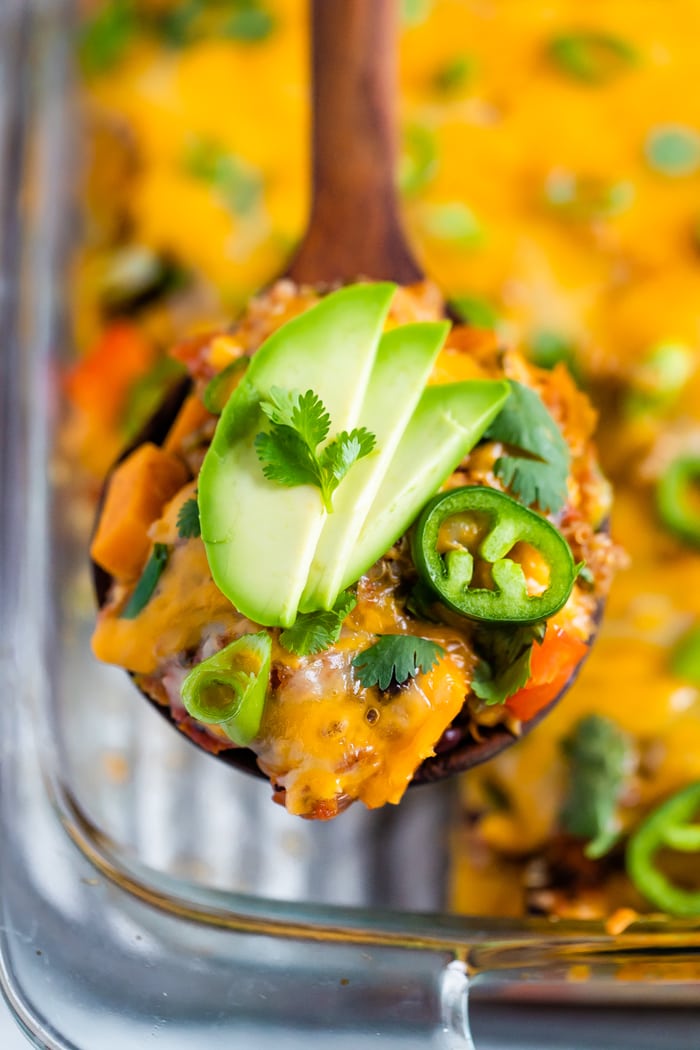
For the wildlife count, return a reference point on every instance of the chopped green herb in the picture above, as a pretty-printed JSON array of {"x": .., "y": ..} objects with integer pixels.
[
  {"x": 251, "y": 24},
  {"x": 421, "y": 602},
  {"x": 537, "y": 471},
  {"x": 587, "y": 198},
  {"x": 179, "y": 25},
  {"x": 673, "y": 150},
  {"x": 396, "y": 658},
  {"x": 591, "y": 57},
  {"x": 239, "y": 184},
  {"x": 455, "y": 74},
  {"x": 599, "y": 755},
  {"x": 455, "y": 223},
  {"x": 314, "y": 631},
  {"x": 147, "y": 583},
  {"x": 147, "y": 393},
  {"x": 105, "y": 38},
  {"x": 413, "y": 12},
  {"x": 419, "y": 159},
  {"x": 586, "y": 576},
  {"x": 188, "y": 525},
  {"x": 547, "y": 349},
  {"x": 219, "y": 389},
  {"x": 660, "y": 378},
  {"x": 475, "y": 311},
  {"x": 685, "y": 658},
  {"x": 229, "y": 689},
  {"x": 288, "y": 452},
  {"x": 504, "y": 664}
]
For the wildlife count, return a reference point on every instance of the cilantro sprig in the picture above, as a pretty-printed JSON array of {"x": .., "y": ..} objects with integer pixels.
[
  {"x": 395, "y": 658},
  {"x": 536, "y": 466},
  {"x": 314, "y": 631},
  {"x": 505, "y": 659},
  {"x": 289, "y": 451},
  {"x": 599, "y": 756},
  {"x": 188, "y": 524}
]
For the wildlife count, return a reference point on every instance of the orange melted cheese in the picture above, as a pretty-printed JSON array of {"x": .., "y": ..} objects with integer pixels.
[
  {"x": 326, "y": 743},
  {"x": 186, "y": 605}
]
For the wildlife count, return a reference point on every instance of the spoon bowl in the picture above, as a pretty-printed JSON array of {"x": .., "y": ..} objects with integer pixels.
[
  {"x": 456, "y": 752},
  {"x": 354, "y": 231}
]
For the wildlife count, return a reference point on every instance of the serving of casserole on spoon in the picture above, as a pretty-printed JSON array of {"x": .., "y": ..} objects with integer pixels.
[{"x": 364, "y": 547}]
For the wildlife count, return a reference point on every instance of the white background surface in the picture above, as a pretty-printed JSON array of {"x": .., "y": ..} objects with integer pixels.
[{"x": 10, "y": 1036}]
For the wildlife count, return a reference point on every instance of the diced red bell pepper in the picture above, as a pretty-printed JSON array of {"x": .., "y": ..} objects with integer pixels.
[{"x": 552, "y": 665}]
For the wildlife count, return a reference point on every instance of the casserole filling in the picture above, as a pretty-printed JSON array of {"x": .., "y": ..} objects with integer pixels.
[{"x": 332, "y": 731}]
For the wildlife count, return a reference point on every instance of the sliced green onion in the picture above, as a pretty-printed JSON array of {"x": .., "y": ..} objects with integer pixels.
[
  {"x": 475, "y": 311},
  {"x": 674, "y": 497},
  {"x": 673, "y": 150},
  {"x": 585, "y": 198},
  {"x": 661, "y": 377},
  {"x": 251, "y": 24},
  {"x": 456, "y": 73},
  {"x": 455, "y": 223},
  {"x": 229, "y": 689},
  {"x": 148, "y": 581},
  {"x": 413, "y": 12},
  {"x": 238, "y": 183},
  {"x": 419, "y": 160},
  {"x": 219, "y": 389},
  {"x": 591, "y": 57}
]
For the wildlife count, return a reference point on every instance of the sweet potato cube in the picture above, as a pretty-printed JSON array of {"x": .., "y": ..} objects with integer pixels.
[{"x": 138, "y": 490}]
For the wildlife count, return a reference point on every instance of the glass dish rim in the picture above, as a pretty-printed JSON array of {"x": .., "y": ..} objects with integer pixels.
[{"x": 244, "y": 913}]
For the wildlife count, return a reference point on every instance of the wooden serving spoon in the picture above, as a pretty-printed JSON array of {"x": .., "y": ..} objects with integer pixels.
[{"x": 354, "y": 232}]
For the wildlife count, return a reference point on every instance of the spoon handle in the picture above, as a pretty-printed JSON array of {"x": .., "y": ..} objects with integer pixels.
[{"x": 354, "y": 229}]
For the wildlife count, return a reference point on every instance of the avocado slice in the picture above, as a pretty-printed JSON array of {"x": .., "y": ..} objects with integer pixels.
[
  {"x": 260, "y": 537},
  {"x": 401, "y": 369},
  {"x": 447, "y": 423}
]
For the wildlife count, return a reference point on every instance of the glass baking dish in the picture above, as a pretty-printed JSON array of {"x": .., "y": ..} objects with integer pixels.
[{"x": 149, "y": 892}]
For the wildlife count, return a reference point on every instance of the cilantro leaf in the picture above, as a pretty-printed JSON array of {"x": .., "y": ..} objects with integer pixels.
[
  {"x": 314, "y": 631},
  {"x": 304, "y": 413},
  {"x": 599, "y": 755},
  {"x": 345, "y": 450},
  {"x": 286, "y": 459},
  {"x": 537, "y": 471},
  {"x": 504, "y": 666},
  {"x": 188, "y": 525},
  {"x": 288, "y": 452},
  {"x": 396, "y": 658}
]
